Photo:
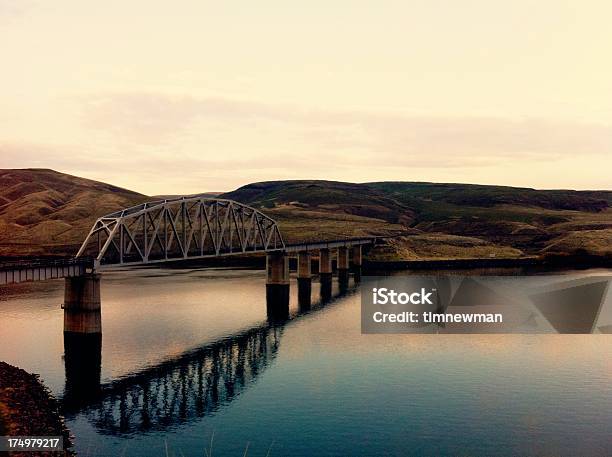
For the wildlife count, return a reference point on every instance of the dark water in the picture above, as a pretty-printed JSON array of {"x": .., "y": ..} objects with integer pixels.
[{"x": 189, "y": 357}]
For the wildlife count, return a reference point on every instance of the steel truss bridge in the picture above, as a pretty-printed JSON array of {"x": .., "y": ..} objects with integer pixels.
[
  {"x": 180, "y": 228},
  {"x": 184, "y": 228}
]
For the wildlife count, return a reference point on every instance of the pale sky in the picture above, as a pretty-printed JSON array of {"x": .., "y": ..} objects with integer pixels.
[{"x": 171, "y": 97}]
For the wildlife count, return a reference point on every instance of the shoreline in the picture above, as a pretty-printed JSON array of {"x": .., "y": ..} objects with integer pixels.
[{"x": 27, "y": 408}]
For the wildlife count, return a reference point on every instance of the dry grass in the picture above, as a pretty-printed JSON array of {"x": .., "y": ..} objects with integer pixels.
[
  {"x": 300, "y": 225},
  {"x": 438, "y": 246},
  {"x": 46, "y": 212},
  {"x": 591, "y": 242}
]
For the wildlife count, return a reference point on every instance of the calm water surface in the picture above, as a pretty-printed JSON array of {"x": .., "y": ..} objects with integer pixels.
[{"x": 189, "y": 355}]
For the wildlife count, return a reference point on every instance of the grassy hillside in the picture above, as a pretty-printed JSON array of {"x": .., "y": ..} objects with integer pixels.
[
  {"x": 329, "y": 196},
  {"x": 472, "y": 195},
  {"x": 441, "y": 220},
  {"x": 44, "y": 212}
]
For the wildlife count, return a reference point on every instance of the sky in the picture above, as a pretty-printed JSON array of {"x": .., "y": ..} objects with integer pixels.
[{"x": 185, "y": 96}]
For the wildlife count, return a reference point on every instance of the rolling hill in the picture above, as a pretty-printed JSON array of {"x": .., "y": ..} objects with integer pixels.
[
  {"x": 43, "y": 212},
  {"x": 442, "y": 220}
]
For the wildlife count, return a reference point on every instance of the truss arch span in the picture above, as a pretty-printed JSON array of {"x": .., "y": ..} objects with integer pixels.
[{"x": 180, "y": 228}]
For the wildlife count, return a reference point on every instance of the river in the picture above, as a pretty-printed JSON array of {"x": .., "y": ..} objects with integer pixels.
[{"x": 189, "y": 361}]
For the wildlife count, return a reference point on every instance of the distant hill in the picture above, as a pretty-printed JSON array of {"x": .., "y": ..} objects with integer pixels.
[
  {"x": 488, "y": 196},
  {"x": 442, "y": 220},
  {"x": 329, "y": 196},
  {"x": 44, "y": 212}
]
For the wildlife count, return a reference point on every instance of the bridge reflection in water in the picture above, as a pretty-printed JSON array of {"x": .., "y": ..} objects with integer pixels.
[{"x": 182, "y": 389}]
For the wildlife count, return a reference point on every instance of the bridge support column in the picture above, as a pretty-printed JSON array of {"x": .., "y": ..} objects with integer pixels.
[
  {"x": 82, "y": 322},
  {"x": 82, "y": 305},
  {"x": 357, "y": 262},
  {"x": 325, "y": 265},
  {"x": 82, "y": 336},
  {"x": 357, "y": 256},
  {"x": 343, "y": 267},
  {"x": 343, "y": 258},
  {"x": 304, "y": 270},
  {"x": 277, "y": 285},
  {"x": 304, "y": 280},
  {"x": 82, "y": 293},
  {"x": 325, "y": 273}
]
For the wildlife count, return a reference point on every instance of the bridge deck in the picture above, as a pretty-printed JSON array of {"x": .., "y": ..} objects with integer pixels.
[
  {"x": 43, "y": 269},
  {"x": 315, "y": 245}
]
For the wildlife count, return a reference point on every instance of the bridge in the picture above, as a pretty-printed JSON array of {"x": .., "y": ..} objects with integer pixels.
[
  {"x": 179, "y": 229},
  {"x": 162, "y": 232}
]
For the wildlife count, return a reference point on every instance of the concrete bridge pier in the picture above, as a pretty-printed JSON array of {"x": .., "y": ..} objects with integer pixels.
[
  {"x": 325, "y": 273},
  {"x": 357, "y": 261},
  {"x": 304, "y": 279},
  {"x": 343, "y": 267},
  {"x": 82, "y": 305},
  {"x": 325, "y": 265},
  {"x": 82, "y": 336},
  {"x": 277, "y": 285},
  {"x": 82, "y": 293}
]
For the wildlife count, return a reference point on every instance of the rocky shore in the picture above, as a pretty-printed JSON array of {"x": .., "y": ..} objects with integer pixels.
[{"x": 28, "y": 409}]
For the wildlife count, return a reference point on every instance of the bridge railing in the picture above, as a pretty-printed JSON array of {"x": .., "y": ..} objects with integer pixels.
[
  {"x": 86, "y": 261},
  {"x": 12, "y": 272},
  {"x": 331, "y": 244}
]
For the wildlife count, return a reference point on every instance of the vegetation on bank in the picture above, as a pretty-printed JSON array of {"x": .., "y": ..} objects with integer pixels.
[{"x": 43, "y": 212}]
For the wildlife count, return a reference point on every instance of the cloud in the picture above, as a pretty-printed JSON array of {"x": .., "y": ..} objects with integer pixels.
[
  {"x": 148, "y": 118},
  {"x": 157, "y": 143}
]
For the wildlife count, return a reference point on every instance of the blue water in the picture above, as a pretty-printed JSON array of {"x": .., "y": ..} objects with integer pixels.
[{"x": 190, "y": 361}]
